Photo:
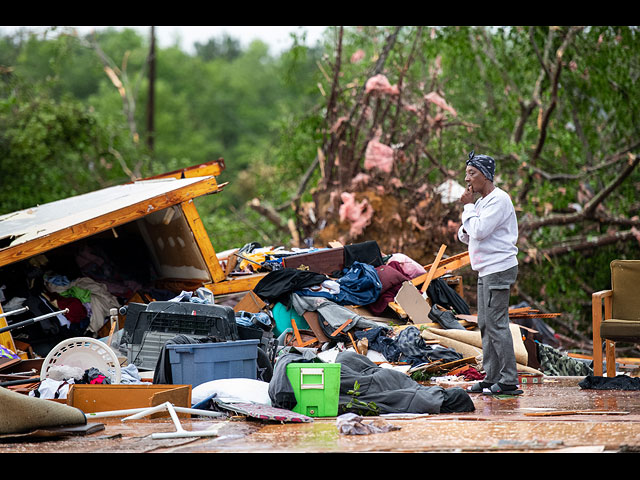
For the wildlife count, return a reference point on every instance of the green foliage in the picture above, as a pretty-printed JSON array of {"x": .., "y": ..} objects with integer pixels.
[
  {"x": 226, "y": 47},
  {"x": 51, "y": 149},
  {"x": 356, "y": 405}
]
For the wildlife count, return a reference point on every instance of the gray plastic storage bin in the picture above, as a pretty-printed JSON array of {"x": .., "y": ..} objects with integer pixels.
[{"x": 203, "y": 362}]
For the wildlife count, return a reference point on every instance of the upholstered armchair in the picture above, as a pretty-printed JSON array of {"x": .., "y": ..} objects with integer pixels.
[{"x": 616, "y": 314}]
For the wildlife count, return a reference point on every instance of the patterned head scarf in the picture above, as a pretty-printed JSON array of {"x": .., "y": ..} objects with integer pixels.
[{"x": 484, "y": 163}]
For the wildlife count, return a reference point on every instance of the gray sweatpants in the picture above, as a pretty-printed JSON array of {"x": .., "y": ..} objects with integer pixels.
[{"x": 498, "y": 357}]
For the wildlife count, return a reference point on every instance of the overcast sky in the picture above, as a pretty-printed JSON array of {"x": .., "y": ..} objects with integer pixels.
[{"x": 276, "y": 37}]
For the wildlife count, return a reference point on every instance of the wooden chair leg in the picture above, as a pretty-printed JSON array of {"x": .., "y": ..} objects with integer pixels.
[
  {"x": 341, "y": 327},
  {"x": 599, "y": 301},
  {"x": 355, "y": 346},
  {"x": 298, "y": 337},
  {"x": 598, "y": 360},
  {"x": 610, "y": 348}
]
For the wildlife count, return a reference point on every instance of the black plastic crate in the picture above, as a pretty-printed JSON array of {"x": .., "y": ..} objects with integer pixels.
[
  {"x": 217, "y": 327},
  {"x": 187, "y": 318}
]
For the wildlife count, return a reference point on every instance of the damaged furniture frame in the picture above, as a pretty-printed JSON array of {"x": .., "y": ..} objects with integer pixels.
[
  {"x": 616, "y": 314},
  {"x": 138, "y": 413}
]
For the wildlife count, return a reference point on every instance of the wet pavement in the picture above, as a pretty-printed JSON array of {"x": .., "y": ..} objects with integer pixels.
[{"x": 554, "y": 416}]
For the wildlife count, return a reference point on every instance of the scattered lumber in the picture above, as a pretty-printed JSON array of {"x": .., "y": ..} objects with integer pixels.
[{"x": 554, "y": 413}]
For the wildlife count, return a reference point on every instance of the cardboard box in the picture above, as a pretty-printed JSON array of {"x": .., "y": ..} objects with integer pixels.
[{"x": 250, "y": 303}]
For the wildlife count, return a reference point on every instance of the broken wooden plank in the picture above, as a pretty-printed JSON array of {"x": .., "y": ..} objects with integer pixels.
[
  {"x": 201, "y": 237},
  {"x": 235, "y": 285},
  {"x": 212, "y": 167},
  {"x": 355, "y": 346},
  {"x": 445, "y": 266},
  {"x": 574, "y": 412},
  {"x": 439, "y": 365},
  {"x": 433, "y": 268}
]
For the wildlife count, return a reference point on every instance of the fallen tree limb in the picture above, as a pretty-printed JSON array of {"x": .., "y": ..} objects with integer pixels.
[
  {"x": 589, "y": 210},
  {"x": 607, "y": 163},
  {"x": 587, "y": 244}
]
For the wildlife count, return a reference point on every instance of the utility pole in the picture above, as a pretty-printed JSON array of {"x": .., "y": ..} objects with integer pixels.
[{"x": 151, "y": 99}]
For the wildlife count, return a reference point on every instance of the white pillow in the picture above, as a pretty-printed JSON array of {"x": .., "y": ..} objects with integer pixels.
[{"x": 230, "y": 390}]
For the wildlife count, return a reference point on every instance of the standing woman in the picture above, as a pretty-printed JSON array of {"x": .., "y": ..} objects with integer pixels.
[{"x": 490, "y": 228}]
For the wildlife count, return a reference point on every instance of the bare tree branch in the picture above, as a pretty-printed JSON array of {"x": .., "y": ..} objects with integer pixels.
[
  {"x": 590, "y": 207},
  {"x": 589, "y": 210},
  {"x": 120, "y": 79},
  {"x": 607, "y": 163},
  {"x": 546, "y": 114},
  {"x": 250, "y": 225},
  {"x": 403, "y": 72},
  {"x": 587, "y": 243},
  {"x": 302, "y": 186},
  {"x": 269, "y": 213},
  {"x": 526, "y": 108},
  {"x": 334, "y": 147}
]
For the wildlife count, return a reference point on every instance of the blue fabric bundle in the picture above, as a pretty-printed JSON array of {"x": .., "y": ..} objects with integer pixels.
[{"x": 359, "y": 285}]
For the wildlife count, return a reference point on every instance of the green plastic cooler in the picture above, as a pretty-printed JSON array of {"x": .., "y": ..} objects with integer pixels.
[{"x": 316, "y": 387}]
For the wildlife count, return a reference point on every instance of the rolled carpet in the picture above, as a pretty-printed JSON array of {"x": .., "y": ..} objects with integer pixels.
[{"x": 21, "y": 413}]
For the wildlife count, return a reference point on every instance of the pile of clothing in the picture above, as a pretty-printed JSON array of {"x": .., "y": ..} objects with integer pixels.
[{"x": 367, "y": 279}]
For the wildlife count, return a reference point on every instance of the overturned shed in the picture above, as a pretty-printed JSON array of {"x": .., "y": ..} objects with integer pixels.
[{"x": 151, "y": 225}]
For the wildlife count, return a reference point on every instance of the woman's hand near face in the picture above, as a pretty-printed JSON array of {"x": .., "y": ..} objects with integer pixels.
[{"x": 467, "y": 196}]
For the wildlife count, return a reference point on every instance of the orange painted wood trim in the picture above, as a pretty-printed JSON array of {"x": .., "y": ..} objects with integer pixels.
[
  {"x": 236, "y": 285},
  {"x": 444, "y": 266},
  {"x": 203, "y": 241},
  {"x": 213, "y": 167},
  {"x": 341, "y": 327}
]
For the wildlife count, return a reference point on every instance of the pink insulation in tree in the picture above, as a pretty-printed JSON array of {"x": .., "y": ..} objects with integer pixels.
[
  {"x": 359, "y": 214},
  {"x": 378, "y": 155},
  {"x": 380, "y": 84}
]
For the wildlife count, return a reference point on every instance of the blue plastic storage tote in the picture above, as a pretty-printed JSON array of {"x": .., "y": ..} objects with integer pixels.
[{"x": 203, "y": 362}]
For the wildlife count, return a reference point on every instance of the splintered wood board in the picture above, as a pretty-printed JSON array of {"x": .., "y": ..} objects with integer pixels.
[{"x": 554, "y": 413}]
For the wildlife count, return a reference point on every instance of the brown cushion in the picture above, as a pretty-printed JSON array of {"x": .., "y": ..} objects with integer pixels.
[
  {"x": 625, "y": 281},
  {"x": 620, "y": 330}
]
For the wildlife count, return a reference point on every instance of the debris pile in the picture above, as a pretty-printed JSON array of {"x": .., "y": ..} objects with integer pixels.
[
  {"x": 139, "y": 317},
  {"x": 404, "y": 339}
]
